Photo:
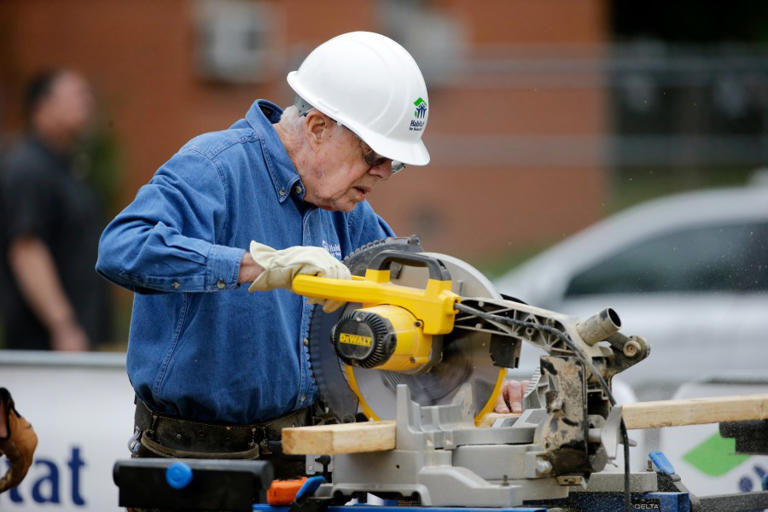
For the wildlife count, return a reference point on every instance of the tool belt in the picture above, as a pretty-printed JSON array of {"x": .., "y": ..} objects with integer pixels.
[{"x": 165, "y": 436}]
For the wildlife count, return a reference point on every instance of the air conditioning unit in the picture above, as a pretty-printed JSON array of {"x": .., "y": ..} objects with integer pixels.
[{"x": 235, "y": 40}]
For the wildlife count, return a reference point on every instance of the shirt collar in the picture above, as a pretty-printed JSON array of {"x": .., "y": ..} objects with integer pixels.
[{"x": 285, "y": 178}]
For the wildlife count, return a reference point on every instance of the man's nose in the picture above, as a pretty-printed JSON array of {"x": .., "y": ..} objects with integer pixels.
[{"x": 383, "y": 170}]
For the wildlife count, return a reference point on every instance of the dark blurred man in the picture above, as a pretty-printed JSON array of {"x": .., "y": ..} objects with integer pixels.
[{"x": 51, "y": 297}]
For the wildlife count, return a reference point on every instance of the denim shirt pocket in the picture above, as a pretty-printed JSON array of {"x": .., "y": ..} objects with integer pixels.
[{"x": 162, "y": 373}]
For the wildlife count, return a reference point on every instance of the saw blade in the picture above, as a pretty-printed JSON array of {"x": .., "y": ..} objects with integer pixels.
[
  {"x": 465, "y": 375},
  {"x": 337, "y": 400}
]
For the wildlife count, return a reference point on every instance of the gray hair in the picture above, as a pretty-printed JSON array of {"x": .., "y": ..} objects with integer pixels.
[
  {"x": 302, "y": 106},
  {"x": 291, "y": 119}
]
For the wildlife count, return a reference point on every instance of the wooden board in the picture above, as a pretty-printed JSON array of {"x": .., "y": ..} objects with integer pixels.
[
  {"x": 369, "y": 436},
  {"x": 676, "y": 413},
  {"x": 695, "y": 411},
  {"x": 375, "y": 436}
]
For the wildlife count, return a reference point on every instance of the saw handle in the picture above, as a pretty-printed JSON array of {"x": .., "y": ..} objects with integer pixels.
[
  {"x": 384, "y": 259},
  {"x": 433, "y": 306}
]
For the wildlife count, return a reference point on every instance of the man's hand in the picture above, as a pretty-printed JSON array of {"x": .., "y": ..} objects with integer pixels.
[
  {"x": 280, "y": 267},
  {"x": 17, "y": 442},
  {"x": 67, "y": 335},
  {"x": 511, "y": 397},
  {"x": 35, "y": 272}
]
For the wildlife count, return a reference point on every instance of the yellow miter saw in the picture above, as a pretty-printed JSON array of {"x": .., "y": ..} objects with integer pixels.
[
  {"x": 398, "y": 328},
  {"x": 426, "y": 340}
]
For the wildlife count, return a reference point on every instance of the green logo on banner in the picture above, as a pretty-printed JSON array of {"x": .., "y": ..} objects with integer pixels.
[{"x": 715, "y": 456}]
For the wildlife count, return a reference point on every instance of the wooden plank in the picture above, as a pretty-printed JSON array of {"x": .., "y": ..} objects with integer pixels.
[
  {"x": 695, "y": 411},
  {"x": 374, "y": 436},
  {"x": 369, "y": 436},
  {"x": 674, "y": 413}
]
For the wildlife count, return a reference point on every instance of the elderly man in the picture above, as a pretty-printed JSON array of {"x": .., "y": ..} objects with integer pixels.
[{"x": 216, "y": 369}]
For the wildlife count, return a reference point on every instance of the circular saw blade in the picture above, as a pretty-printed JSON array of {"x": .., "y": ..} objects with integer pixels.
[
  {"x": 465, "y": 375},
  {"x": 337, "y": 400}
]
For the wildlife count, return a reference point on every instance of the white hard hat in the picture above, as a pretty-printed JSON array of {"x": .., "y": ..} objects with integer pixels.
[{"x": 370, "y": 84}]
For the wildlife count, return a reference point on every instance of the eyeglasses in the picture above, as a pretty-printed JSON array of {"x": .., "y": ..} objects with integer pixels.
[{"x": 373, "y": 159}]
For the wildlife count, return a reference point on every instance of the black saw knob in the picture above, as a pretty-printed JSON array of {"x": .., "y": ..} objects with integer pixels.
[{"x": 364, "y": 338}]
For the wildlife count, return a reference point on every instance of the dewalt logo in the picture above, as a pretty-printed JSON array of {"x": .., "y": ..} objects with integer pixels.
[{"x": 355, "y": 339}]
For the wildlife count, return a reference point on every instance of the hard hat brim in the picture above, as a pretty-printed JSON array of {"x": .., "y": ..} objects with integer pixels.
[{"x": 407, "y": 152}]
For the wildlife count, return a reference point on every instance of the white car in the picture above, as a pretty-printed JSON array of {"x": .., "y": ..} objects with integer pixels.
[{"x": 688, "y": 272}]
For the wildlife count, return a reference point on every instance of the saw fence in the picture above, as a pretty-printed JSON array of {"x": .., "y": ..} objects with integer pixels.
[{"x": 376, "y": 436}]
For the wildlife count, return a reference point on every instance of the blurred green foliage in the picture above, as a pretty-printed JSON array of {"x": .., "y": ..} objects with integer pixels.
[{"x": 99, "y": 163}]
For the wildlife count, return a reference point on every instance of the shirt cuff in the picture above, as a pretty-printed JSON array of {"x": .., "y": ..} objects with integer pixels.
[{"x": 223, "y": 267}]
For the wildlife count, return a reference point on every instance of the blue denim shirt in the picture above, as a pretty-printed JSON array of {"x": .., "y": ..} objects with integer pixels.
[{"x": 201, "y": 347}]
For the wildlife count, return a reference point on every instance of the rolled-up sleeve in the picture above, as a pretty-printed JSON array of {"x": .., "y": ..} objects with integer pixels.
[{"x": 169, "y": 239}]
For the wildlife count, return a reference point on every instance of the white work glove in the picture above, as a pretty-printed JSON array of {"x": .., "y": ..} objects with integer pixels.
[{"x": 280, "y": 267}]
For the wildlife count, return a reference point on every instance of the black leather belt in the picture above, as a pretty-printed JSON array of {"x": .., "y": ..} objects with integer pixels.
[{"x": 174, "y": 437}]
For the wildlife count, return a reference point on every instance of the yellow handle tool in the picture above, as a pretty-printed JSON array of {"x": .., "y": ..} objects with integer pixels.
[{"x": 433, "y": 305}]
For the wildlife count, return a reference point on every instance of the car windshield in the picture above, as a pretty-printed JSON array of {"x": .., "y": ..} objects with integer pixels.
[{"x": 728, "y": 257}]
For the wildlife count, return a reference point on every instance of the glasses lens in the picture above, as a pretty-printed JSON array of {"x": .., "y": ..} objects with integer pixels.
[{"x": 374, "y": 159}]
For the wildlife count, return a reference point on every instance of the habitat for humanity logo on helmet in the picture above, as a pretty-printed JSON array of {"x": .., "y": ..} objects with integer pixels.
[{"x": 420, "y": 114}]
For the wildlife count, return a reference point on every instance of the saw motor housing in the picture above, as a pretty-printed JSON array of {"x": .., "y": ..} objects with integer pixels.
[
  {"x": 394, "y": 328},
  {"x": 385, "y": 337}
]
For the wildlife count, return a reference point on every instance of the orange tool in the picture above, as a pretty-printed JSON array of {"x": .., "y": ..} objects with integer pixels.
[{"x": 283, "y": 492}]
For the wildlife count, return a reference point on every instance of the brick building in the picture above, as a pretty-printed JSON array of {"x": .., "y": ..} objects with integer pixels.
[{"x": 514, "y": 127}]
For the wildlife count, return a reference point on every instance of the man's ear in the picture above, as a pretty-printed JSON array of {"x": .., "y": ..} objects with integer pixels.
[{"x": 318, "y": 127}]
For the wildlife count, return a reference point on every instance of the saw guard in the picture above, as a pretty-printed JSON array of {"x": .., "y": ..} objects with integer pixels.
[
  {"x": 466, "y": 281},
  {"x": 368, "y": 412}
]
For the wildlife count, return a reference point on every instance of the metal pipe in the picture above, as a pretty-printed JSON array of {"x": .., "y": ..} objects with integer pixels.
[{"x": 599, "y": 327}]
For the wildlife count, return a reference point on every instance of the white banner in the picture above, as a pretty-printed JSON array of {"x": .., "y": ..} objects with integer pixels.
[
  {"x": 81, "y": 406},
  {"x": 707, "y": 462}
]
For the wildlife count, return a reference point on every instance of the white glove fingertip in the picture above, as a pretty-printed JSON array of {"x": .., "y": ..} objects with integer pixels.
[
  {"x": 328, "y": 272},
  {"x": 332, "y": 305}
]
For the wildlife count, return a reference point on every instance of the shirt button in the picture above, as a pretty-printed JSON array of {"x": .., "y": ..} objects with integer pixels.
[
  {"x": 298, "y": 190},
  {"x": 282, "y": 191},
  {"x": 221, "y": 284},
  {"x": 303, "y": 398},
  {"x": 175, "y": 285},
  {"x": 306, "y": 342}
]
